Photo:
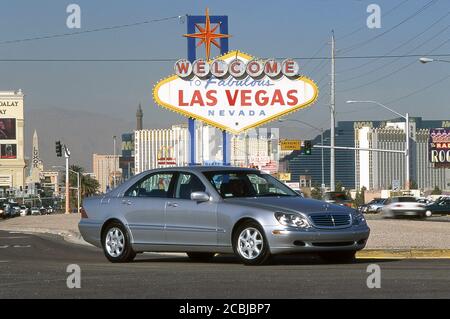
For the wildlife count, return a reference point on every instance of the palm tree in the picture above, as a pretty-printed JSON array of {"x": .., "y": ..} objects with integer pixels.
[{"x": 89, "y": 185}]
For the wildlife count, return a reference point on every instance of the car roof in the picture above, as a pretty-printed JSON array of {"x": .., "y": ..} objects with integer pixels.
[{"x": 194, "y": 169}]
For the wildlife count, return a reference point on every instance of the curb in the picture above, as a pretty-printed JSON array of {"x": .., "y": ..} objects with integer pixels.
[
  {"x": 67, "y": 235},
  {"x": 403, "y": 253}
]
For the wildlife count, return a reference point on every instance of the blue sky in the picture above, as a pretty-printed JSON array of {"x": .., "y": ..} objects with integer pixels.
[{"x": 261, "y": 28}]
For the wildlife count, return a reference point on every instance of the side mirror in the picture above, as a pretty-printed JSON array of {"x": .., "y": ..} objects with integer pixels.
[{"x": 200, "y": 196}]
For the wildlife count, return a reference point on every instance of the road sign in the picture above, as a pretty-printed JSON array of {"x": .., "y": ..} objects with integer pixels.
[
  {"x": 291, "y": 145},
  {"x": 284, "y": 176},
  {"x": 238, "y": 100},
  {"x": 396, "y": 185}
]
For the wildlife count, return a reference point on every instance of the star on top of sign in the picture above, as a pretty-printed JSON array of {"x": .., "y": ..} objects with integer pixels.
[{"x": 207, "y": 35}]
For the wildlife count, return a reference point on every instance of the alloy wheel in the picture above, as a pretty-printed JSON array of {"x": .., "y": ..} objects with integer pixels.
[
  {"x": 115, "y": 242},
  {"x": 250, "y": 243}
]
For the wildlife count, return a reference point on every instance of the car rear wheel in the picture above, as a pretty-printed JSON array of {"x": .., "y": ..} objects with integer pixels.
[
  {"x": 116, "y": 243},
  {"x": 340, "y": 257},
  {"x": 250, "y": 244},
  {"x": 199, "y": 256}
]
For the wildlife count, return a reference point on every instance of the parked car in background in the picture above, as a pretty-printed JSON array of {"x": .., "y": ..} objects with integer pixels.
[
  {"x": 24, "y": 210},
  {"x": 43, "y": 210},
  {"x": 374, "y": 206},
  {"x": 339, "y": 198},
  {"x": 49, "y": 210},
  {"x": 2, "y": 213},
  {"x": 204, "y": 210},
  {"x": 35, "y": 211},
  {"x": 6, "y": 210},
  {"x": 14, "y": 210},
  {"x": 439, "y": 207},
  {"x": 403, "y": 206},
  {"x": 425, "y": 201}
]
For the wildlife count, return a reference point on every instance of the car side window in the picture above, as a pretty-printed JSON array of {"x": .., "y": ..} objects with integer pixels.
[
  {"x": 186, "y": 184},
  {"x": 153, "y": 185}
]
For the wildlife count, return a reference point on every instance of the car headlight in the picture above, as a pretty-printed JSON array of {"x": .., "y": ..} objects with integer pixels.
[
  {"x": 358, "y": 218},
  {"x": 293, "y": 220}
]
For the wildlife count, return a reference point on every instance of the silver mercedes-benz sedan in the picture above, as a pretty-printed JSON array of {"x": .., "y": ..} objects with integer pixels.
[{"x": 204, "y": 210}]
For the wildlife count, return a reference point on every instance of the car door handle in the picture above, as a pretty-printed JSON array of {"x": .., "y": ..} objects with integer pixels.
[
  {"x": 128, "y": 202},
  {"x": 170, "y": 204}
]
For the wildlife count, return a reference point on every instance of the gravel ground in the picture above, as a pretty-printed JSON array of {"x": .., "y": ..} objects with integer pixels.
[{"x": 433, "y": 233}]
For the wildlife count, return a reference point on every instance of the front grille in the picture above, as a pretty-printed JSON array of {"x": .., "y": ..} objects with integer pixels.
[{"x": 331, "y": 220}]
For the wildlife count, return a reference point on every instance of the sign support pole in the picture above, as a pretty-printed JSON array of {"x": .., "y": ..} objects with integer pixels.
[{"x": 191, "y": 21}]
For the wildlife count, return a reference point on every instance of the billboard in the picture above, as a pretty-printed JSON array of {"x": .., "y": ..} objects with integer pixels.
[
  {"x": 7, "y": 129},
  {"x": 235, "y": 92},
  {"x": 439, "y": 146},
  {"x": 128, "y": 145},
  {"x": 8, "y": 151}
]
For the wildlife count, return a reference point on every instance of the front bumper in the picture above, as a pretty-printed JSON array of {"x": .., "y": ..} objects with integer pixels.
[
  {"x": 291, "y": 240},
  {"x": 405, "y": 212}
]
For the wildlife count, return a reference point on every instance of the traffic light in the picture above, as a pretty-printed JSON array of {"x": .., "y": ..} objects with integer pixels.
[
  {"x": 308, "y": 147},
  {"x": 58, "y": 149}
]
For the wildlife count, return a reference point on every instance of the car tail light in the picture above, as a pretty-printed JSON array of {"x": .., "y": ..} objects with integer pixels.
[
  {"x": 399, "y": 205},
  {"x": 83, "y": 213}
]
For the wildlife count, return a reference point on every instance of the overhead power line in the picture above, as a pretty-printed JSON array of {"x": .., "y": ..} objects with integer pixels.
[
  {"x": 393, "y": 72},
  {"x": 397, "y": 47},
  {"x": 378, "y": 68},
  {"x": 175, "y": 59},
  {"x": 364, "y": 27},
  {"x": 68, "y": 34},
  {"x": 363, "y": 43}
]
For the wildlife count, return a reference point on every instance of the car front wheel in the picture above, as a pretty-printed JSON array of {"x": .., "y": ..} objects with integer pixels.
[
  {"x": 250, "y": 244},
  {"x": 116, "y": 243}
]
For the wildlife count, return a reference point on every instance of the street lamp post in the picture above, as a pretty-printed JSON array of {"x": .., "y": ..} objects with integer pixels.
[
  {"x": 67, "y": 156},
  {"x": 114, "y": 163},
  {"x": 321, "y": 141},
  {"x": 406, "y": 117},
  {"x": 428, "y": 60}
]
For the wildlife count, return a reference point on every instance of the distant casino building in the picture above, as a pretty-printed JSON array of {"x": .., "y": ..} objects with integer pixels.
[
  {"x": 12, "y": 162},
  {"x": 310, "y": 166},
  {"x": 126, "y": 160},
  {"x": 155, "y": 148},
  {"x": 374, "y": 170},
  {"x": 106, "y": 170}
]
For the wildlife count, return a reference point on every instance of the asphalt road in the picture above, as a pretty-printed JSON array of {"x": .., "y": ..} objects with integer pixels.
[{"x": 34, "y": 266}]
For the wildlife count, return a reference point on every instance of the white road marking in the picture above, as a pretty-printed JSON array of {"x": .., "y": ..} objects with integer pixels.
[
  {"x": 22, "y": 246},
  {"x": 14, "y": 237},
  {"x": 4, "y": 246}
]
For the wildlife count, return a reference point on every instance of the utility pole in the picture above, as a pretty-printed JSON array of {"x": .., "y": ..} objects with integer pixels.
[
  {"x": 67, "y": 156},
  {"x": 332, "y": 101}
]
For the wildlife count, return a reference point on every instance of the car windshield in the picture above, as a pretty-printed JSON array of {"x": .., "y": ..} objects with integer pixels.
[
  {"x": 336, "y": 196},
  {"x": 230, "y": 184},
  {"x": 404, "y": 199}
]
